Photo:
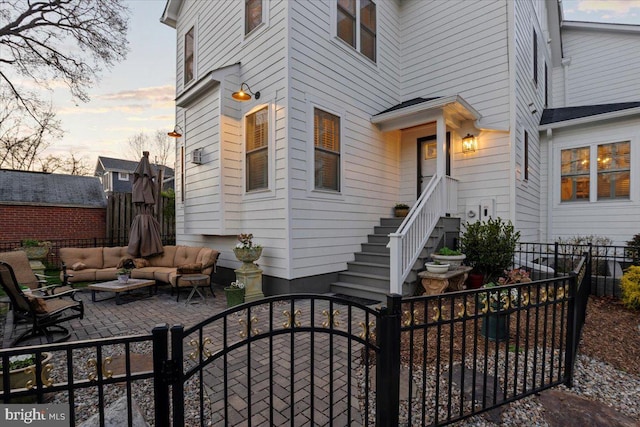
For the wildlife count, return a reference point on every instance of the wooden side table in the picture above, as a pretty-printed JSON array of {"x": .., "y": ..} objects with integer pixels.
[{"x": 436, "y": 283}]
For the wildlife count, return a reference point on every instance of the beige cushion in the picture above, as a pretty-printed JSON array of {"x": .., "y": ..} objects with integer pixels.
[
  {"x": 141, "y": 262},
  {"x": 20, "y": 264},
  {"x": 194, "y": 268},
  {"x": 112, "y": 256},
  {"x": 163, "y": 274},
  {"x": 79, "y": 266},
  {"x": 166, "y": 259},
  {"x": 207, "y": 257},
  {"x": 143, "y": 273},
  {"x": 91, "y": 257},
  {"x": 86, "y": 275},
  {"x": 186, "y": 255},
  {"x": 110, "y": 273}
]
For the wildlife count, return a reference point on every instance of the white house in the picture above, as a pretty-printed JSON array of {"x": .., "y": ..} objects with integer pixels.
[{"x": 359, "y": 104}]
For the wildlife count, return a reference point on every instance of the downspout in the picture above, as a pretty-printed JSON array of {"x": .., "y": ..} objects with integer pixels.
[{"x": 550, "y": 181}]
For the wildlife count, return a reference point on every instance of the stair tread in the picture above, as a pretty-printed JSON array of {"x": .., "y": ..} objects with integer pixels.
[
  {"x": 370, "y": 276},
  {"x": 369, "y": 264},
  {"x": 360, "y": 287}
]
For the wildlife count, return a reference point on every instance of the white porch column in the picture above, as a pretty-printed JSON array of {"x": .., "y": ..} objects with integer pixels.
[{"x": 441, "y": 135}]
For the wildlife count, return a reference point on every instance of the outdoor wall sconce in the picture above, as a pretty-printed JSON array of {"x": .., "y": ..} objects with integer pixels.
[
  {"x": 469, "y": 144},
  {"x": 241, "y": 95},
  {"x": 174, "y": 133}
]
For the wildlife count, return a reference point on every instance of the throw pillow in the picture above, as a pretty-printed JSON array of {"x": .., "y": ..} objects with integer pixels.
[
  {"x": 79, "y": 266},
  {"x": 194, "y": 268},
  {"x": 38, "y": 305}
]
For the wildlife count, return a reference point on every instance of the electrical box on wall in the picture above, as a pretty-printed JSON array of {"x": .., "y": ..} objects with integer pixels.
[{"x": 481, "y": 210}]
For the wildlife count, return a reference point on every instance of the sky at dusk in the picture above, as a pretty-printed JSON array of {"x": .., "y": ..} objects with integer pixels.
[{"x": 137, "y": 95}]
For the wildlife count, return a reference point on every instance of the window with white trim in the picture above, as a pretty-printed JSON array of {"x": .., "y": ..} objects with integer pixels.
[
  {"x": 357, "y": 25},
  {"x": 189, "y": 45},
  {"x": 252, "y": 15},
  {"x": 257, "y": 149},
  {"x": 574, "y": 174},
  {"x": 326, "y": 142},
  {"x": 614, "y": 170},
  {"x": 123, "y": 176}
]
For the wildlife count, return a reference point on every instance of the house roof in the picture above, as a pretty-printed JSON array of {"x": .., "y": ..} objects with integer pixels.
[
  {"x": 405, "y": 104},
  {"x": 559, "y": 117},
  {"x": 22, "y": 187},
  {"x": 120, "y": 165}
]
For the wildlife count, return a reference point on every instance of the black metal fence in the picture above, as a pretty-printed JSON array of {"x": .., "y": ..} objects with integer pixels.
[{"x": 553, "y": 259}]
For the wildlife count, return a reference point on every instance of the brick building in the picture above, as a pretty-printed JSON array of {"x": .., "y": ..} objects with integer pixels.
[{"x": 44, "y": 206}]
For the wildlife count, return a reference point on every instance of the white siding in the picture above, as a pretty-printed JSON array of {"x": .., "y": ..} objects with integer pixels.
[
  {"x": 604, "y": 66},
  {"x": 529, "y": 97},
  {"x": 616, "y": 219},
  {"x": 326, "y": 228},
  {"x": 216, "y": 207},
  {"x": 457, "y": 47}
]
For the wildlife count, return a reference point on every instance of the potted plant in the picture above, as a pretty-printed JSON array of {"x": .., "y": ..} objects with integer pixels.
[
  {"x": 489, "y": 247},
  {"x": 247, "y": 251},
  {"x": 234, "y": 293},
  {"x": 437, "y": 267},
  {"x": 22, "y": 369},
  {"x": 496, "y": 303},
  {"x": 400, "y": 210},
  {"x": 123, "y": 275},
  {"x": 449, "y": 256}
]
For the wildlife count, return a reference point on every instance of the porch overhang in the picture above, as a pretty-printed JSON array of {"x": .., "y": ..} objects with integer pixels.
[
  {"x": 419, "y": 111},
  {"x": 204, "y": 84}
]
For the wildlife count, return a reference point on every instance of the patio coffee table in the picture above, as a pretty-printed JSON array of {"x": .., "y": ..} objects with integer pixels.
[{"x": 118, "y": 287}]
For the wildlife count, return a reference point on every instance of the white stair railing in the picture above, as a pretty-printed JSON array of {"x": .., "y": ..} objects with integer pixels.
[{"x": 405, "y": 245}]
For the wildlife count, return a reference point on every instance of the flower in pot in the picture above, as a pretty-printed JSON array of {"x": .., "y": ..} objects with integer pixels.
[
  {"x": 35, "y": 249},
  {"x": 234, "y": 293},
  {"x": 123, "y": 275},
  {"x": 497, "y": 300},
  {"x": 245, "y": 250},
  {"x": 400, "y": 210},
  {"x": 449, "y": 256},
  {"x": 489, "y": 247}
]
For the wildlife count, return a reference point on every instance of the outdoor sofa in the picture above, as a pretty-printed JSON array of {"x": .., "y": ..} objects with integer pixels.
[{"x": 102, "y": 264}]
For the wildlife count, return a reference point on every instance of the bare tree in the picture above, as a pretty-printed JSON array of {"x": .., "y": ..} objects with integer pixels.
[
  {"x": 72, "y": 165},
  {"x": 22, "y": 139},
  {"x": 160, "y": 147},
  {"x": 36, "y": 43}
]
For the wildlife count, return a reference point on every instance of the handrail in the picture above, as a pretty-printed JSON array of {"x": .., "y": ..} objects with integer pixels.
[{"x": 408, "y": 241}]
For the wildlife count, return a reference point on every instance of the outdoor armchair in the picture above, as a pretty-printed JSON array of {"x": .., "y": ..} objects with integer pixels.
[
  {"x": 44, "y": 312},
  {"x": 19, "y": 262}
]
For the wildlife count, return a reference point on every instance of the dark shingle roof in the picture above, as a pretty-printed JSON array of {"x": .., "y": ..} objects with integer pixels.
[
  {"x": 50, "y": 189},
  {"x": 554, "y": 115},
  {"x": 409, "y": 103},
  {"x": 120, "y": 165}
]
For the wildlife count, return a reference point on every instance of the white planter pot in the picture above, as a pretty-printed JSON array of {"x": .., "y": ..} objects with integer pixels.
[
  {"x": 437, "y": 268},
  {"x": 454, "y": 261}
]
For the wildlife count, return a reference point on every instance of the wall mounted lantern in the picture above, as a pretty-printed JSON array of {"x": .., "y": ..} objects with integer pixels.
[
  {"x": 241, "y": 95},
  {"x": 174, "y": 133},
  {"x": 469, "y": 144}
]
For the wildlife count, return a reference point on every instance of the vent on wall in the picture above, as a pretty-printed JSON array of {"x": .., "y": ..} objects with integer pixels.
[{"x": 196, "y": 156}]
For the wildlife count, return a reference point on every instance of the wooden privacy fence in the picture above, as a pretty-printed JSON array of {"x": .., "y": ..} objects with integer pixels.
[{"x": 120, "y": 213}]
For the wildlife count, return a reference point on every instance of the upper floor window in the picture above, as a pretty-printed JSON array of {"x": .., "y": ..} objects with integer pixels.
[
  {"x": 356, "y": 25},
  {"x": 257, "y": 150},
  {"x": 123, "y": 176},
  {"x": 574, "y": 174},
  {"x": 326, "y": 142},
  {"x": 188, "y": 55},
  {"x": 535, "y": 57},
  {"x": 252, "y": 15},
  {"x": 614, "y": 170}
]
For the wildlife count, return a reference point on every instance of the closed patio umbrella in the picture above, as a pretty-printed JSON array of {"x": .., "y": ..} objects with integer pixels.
[{"x": 144, "y": 237}]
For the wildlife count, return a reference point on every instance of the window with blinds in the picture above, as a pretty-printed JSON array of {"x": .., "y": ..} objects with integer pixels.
[
  {"x": 614, "y": 170},
  {"x": 574, "y": 174},
  {"x": 257, "y": 152},
  {"x": 359, "y": 30},
  {"x": 326, "y": 141},
  {"x": 252, "y": 15},
  {"x": 188, "y": 55}
]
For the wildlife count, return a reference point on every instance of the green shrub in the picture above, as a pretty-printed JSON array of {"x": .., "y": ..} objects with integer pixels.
[
  {"x": 448, "y": 252},
  {"x": 633, "y": 250},
  {"x": 489, "y": 246},
  {"x": 630, "y": 284}
]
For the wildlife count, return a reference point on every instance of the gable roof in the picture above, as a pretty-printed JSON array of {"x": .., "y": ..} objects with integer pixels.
[
  {"x": 559, "y": 117},
  {"x": 39, "y": 188},
  {"x": 405, "y": 104},
  {"x": 120, "y": 165}
]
